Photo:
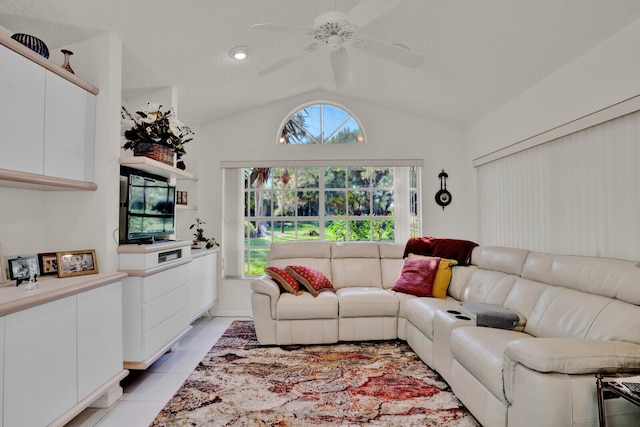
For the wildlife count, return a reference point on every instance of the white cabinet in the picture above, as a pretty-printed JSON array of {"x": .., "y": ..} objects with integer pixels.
[
  {"x": 203, "y": 289},
  {"x": 155, "y": 299},
  {"x": 47, "y": 117},
  {"x": 22, "y": 87},
  {"x": 69, "y": 129},
  {"x": 40, "y": 375},
  {"x": 99, "y": 337},
  {"x": 61, "y": 355}
]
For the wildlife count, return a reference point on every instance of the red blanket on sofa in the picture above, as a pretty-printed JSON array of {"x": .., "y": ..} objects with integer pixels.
[{"x": 460, "y": 250}]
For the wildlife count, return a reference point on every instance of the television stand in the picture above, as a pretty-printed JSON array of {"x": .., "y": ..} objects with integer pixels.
[{"x": 155, "y": 295}]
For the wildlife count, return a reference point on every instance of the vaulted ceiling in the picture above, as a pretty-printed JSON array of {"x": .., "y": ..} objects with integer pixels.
[{"x": 478, "y": 53}]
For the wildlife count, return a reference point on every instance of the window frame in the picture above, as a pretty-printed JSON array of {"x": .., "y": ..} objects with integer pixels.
[
  {"x": 406, "y": 221},
  {"x": 292, "y": 113}
]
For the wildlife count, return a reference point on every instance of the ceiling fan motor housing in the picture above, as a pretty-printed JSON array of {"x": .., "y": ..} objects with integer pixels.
[{"x": 332, "y": 28}]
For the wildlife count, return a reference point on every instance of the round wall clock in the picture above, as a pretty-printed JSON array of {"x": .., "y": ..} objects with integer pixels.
[{"x": 443, "y": 197}]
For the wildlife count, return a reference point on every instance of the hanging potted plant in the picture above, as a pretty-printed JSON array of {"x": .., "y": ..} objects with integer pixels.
[
  {"x": 199, "y": 238},
  {"x": 155, "y": 133}
]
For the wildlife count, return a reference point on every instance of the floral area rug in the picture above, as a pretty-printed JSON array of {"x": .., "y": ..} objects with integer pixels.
[{"x": 240, "y": 383}]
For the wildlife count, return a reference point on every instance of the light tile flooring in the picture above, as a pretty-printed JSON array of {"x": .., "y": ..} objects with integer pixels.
[{"x": 147, "y": 392}]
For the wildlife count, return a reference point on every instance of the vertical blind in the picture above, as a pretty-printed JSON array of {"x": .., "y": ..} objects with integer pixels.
[{"x": 579, "y": 194}]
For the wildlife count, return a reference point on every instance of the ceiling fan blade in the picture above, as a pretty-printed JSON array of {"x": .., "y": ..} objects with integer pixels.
[
  {"x": 341, "y": 69},
  {"x": 369, "y": 10},
  {"x": 282, "y": 28},
  {"x": 390, "y": 52},
  {"x": 289, "y": 59}
]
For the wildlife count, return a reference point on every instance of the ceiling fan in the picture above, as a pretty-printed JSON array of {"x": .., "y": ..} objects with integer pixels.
[{"x": 334, "y": 28}]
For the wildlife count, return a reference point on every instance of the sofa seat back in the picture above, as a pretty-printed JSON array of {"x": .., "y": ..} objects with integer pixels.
[
  {"x": 560, "y": 296},
  {"x": 391, "y": 261},
  {"x": 355, "y": 264},
  {"x": 491, "y": 275},
  {"x": 315, "y": 254},
  {"x": 346, "y": 264},
  {"x": 584, "y": 297}
]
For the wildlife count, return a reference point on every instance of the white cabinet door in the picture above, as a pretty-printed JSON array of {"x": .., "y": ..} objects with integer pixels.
[
  {"x": 99, "y": 337},
  {"x": 22, "y": 86},
  {"x": 40, "y": 363},
  {"x": 70, "y": 113},
  {"x": 202, "y": 283}
]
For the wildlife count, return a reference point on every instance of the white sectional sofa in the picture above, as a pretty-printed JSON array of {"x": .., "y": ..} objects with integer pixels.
[{"x": 582, "y": 317}]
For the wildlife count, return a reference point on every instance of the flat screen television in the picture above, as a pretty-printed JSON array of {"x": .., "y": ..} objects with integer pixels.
[{"x": 148, "y": 211}]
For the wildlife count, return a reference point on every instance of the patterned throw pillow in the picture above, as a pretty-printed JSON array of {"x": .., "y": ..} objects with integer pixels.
[
  {"x": 313, "y": 280},
  {"x": 417, "y": 276},
  {"x": 286, "y": 281},
  {"x": 443, "y": 276}
]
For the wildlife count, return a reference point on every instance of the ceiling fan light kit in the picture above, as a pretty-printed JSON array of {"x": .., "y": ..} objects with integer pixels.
[{"x": 334, "y": 29}]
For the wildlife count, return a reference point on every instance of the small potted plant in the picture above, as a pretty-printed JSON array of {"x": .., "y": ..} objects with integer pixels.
[{"x": 199, "y": 238}]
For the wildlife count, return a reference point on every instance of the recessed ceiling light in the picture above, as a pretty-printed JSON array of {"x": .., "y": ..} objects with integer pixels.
[{"x": 239, "y": 52}]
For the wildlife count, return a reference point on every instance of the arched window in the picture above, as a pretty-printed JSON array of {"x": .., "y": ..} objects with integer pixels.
[{"x": 321, "y": 123}]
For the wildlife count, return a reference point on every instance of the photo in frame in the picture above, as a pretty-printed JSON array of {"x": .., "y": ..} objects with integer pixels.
[
  {"x": 3, "y": 272},
  {"x": 21, "y": 268},
  {"x": 77, "y": 263},
  {"x": 48, "y": 263}
]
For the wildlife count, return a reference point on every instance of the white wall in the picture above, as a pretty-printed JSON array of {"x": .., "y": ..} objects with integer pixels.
[
  {"x": 391, "y": 135},
  {"x": 603, "y": 76},
  {"x": 41, "y": 221}
]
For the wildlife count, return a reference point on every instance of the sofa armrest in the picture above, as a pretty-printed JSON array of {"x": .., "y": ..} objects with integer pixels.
[
  {"x": 574, "y": 356},
  {"x": 569, "y": 356},
  {"x": 265, "y": 285}
]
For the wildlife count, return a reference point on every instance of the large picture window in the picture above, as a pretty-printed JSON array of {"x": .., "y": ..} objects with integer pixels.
[{"x": 326, "y": 203}]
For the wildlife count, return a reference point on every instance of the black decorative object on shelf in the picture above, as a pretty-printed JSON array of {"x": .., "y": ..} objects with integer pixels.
[
  {"x": 33, "y": 43},
  {"x": 443, "y": 197}
]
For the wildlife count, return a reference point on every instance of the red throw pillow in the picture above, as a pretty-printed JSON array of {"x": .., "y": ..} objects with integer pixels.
[
  {"x": 286, "y": 281},
  {"x": 313, "y": 280},
  {"x": 417, "y": 276}
]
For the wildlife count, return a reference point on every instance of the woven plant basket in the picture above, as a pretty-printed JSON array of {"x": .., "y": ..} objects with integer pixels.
[{"x": 156, "y": 152}]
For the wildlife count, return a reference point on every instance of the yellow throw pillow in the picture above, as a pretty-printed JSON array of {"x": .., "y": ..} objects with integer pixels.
[{"x": 443, "y": 276}]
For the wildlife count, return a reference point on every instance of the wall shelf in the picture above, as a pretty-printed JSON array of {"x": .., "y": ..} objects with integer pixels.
[
  {"x": 32, "y": 181},
  {"x": 186, "y": 207},
  {"x": 152, "y": 166},
  {"x": 7, "y": 41}
]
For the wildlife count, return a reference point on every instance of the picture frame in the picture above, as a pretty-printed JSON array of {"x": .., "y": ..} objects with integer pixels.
[
  {"x": 48, "y": 263},
  {"x": 77, "y": 263},
  {"x": 20, "y": 268},
  {"x": 3, "y": 273}
]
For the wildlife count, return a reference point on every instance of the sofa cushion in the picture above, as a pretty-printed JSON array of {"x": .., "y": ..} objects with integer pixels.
[
  {"x": 403, "y": 298},
  {"x": 417, "y": 276},
  {"x": 390, "y": 262},
  {"x": 481, "y": 352},
  {"x": 313, "y": 280},
  {"x": 366, "y": 302},
  {"x": 315, "y": 254},
  {"x": 306, "y": 306},
  {"x": 356, "y": 272},
  {"x": 564, "y": 313},
  {"x": 285, "y": 280},
  {"x": 421, "y": 312},
  {"x": 299, "y": 249},
  {"x": 355, "y": 264},
  {"x": 506, "y": 260}
]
